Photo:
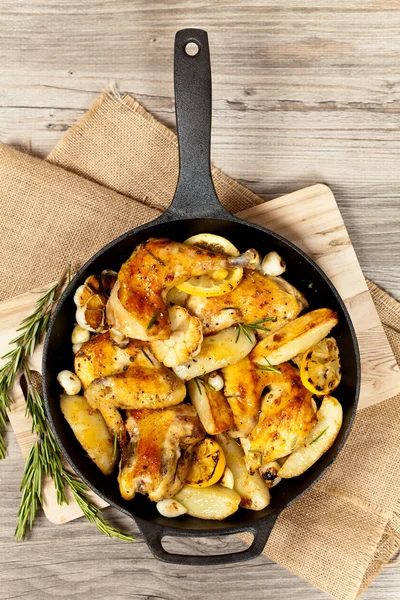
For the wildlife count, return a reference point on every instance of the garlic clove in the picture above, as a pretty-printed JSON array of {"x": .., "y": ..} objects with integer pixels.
[
  {"x": 118, "y": 338},
  {"x": 82, "y": 295},
  {"x": 76, "y": 348},
  {"x": 97, "y": 301},
  {"x": 170, "y": 508},
  {"x": 269, "y": 472},
  {"x": 69, "y": 382},
  {"x": 216, "y": 381},
  {"x": 80, "y": 335},
  {"x": 273, "y": 264},
  {"x": 227, "y": 479},
  {"x": 93, "y": 282},
  {"x": 108, "y": 279},
  {"x": 92, "y": 320}
]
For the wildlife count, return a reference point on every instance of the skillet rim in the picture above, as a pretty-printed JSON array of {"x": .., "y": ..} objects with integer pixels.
[{"x": 167, "y": 219}]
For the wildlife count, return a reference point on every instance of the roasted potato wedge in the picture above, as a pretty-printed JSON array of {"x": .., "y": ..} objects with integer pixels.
[
  {"x": 212, "y": 407},
  {"x": 217, "y": 351},
  {"x": 319, "y": 440},
  {"x": 254, "y": 493},
  {"x": 215, "y": 502},
  {"x": 91, "y": 431},
  {"x": 294, "y": 337}
]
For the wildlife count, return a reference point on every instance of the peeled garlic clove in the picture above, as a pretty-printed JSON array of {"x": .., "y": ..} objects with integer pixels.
[
  {"x": 227, "y": 479},
  {"x": 80, "y": 335},
  {"x": 69, "y": 382},
  {"x": 216, "y": 381},
  {"x": 170, "y": 508},
  {"x": 76, "y": 348},
  {"x": 273, "y": 264}
]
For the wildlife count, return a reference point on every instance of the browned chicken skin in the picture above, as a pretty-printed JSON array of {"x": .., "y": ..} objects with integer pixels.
[
  {"x": 256, "y": 297},
  {"x": 158, "y": 456},
  {"x": 243, "y": 390},
  {"x": 287, "y": 416},
  {"x": 137, "y": 303},
  {"x": 125, "y": 378}
]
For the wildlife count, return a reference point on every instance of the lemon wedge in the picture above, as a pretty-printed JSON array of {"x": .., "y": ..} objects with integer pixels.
[
  {"x": 320, "y": 367},
  {"x": 219, "y": 283},
  {"x": 208, "y": 464}
]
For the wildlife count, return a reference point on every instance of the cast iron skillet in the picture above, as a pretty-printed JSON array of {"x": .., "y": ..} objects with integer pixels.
[{"x": 196, "y": 209}]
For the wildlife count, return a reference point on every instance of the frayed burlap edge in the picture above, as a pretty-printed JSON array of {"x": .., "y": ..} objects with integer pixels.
[{"x": 105, "y": 102}]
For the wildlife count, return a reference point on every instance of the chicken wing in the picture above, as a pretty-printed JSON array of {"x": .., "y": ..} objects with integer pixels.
[
  {"x": 158, "y": 456},
  {"x": 137, "y": 305},
  {"x": 287, "y": 416},
  {"x": 255, "y": 298},
  {"x": 138, "y": 387},
  {"x": 127, "y": 378},
  {"x": 101, "y": 357}
]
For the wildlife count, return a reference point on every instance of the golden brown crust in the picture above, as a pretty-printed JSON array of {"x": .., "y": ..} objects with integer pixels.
[
  {"x": 255, "y": 298},
  {"x": 155, "y": 267}
]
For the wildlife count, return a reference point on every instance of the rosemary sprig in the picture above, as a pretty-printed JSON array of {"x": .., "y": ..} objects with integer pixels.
[
  {"x": 44, "y": 458},
  {"x": 205, "y": 383},
  {"x": 30, "y": 331},
  {"x": 268, "y": 367},
  {"x": 246, "y": 327},
  {"x": 161, "y": 262},
  {"x": 146, "y": 355},
  {"x": 318, "y": 436},
  {"x": 153, "y": 320}
]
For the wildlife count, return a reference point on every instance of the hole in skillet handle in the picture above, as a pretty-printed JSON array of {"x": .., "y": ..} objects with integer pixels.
[
  {"x": 154, "y": 534},
  {"x": 192, "y": 49}
]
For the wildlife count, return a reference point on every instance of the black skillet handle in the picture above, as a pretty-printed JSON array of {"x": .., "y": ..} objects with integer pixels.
[
  {"x": 195, "y": 195},
  {"x": 154, "y": 534}
]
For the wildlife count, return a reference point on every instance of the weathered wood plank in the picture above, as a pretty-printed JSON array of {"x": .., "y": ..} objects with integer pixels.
[{"x": 303, "y": 92}]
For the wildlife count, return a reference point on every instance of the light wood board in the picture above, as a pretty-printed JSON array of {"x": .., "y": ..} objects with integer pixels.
[{"x": 311, "y": 219}]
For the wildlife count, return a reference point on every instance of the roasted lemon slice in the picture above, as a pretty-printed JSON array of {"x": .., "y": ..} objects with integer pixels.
[
  {"x": 320, "y": 367},
  {"x": 215, "y": 243},
  {"x": 208, "y": 464},
  {"x": 219, "y": 283}
]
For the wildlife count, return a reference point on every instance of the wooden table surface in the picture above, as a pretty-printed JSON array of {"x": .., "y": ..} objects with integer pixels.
[{"x": 303, "y": 92}]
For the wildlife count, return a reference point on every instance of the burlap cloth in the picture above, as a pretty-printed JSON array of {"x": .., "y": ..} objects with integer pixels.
[{"x": 117, "y": 168}]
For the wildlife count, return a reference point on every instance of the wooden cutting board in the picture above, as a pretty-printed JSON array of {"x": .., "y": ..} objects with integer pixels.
[{"x": 310, "y": 218}]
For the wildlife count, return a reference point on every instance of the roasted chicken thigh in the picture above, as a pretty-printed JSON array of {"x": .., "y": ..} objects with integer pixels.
[{"x": 158, "y": 456}]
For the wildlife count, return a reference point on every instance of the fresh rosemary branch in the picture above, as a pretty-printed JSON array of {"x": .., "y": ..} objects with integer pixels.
[
  {"x": 205, "y": 383},
  {"x": 257, "y": 325},
  {"x": 318, "y": 436},
  {"x": 44, "y": 458},
  {"x": 30, "y": 331}
]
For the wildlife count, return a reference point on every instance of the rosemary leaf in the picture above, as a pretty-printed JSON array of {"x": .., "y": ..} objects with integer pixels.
[
  {"x": 153, "y": 320},
  {"x": 156, "y": 258},
  {"x": 198, "y": 385},
  {"x": 318, "y": 436},
  {"x": 268, "y": 367},
  {"x": 146, "y": 355}
]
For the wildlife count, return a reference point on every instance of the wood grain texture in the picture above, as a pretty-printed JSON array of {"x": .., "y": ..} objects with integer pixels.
[
  {"x": 311, "y": 219},
  {"x": 302, "y": 92}
]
